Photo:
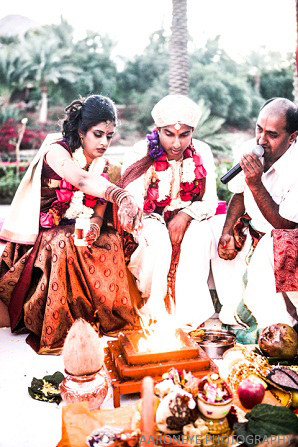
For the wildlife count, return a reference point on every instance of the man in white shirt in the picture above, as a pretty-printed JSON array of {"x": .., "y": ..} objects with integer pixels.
[
  {"x": 176, "y": 188},
  {"x": 267, "y": 191}
]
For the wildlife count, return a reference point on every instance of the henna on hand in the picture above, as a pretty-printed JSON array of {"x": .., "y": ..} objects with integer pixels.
[
  {"x": 93, "y": 234},
  {"x": 130, "y": 215},
  {"x": 177, "y": 227},
  {"x": 226, "y": 247}
]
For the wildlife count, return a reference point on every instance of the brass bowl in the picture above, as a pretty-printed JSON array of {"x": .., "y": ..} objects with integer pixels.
[{"x": 215, "y": 341}]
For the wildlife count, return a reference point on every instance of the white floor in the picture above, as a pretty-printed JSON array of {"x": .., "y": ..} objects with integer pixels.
[{"x": 25, "y": 422}]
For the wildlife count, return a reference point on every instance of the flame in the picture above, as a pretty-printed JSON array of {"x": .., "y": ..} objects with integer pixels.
[{"x": 160, "y": 336}]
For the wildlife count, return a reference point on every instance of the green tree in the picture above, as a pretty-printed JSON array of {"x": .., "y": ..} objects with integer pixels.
[
  {"x": 270, "y": 73},
  {"x": 99, "y": 72},
  {"x": 277, "y": 83},
  {"x": 13, "y": 71},
  {"x": 295, "y": 63},
  {"x": 49, "y": 63},
  {"x": 140, "y": 73}
]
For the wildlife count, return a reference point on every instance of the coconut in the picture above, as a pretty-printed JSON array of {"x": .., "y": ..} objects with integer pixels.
[
  {"x": 82, "y": 352},
  {"x": 279, "y": 340}
]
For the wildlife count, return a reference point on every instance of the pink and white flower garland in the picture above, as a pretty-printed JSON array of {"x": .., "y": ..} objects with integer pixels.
[
  {"x": 72, "y": 202},
  {"x": 159, "y": 195}
]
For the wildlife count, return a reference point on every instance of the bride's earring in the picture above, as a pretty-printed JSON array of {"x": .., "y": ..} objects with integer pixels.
[{"x": 82, "y": 140}]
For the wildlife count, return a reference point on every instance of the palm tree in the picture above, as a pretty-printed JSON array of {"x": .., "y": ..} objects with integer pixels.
[
  {"x": 178, "y": 82},
  {"x": 295, "y": 92},
  {"x": 13, "y": 70},
  {"x": 49, "y": 64}
]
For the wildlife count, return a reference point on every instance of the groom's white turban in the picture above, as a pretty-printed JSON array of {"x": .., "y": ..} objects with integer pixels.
[{"x": 176, "y": 110}]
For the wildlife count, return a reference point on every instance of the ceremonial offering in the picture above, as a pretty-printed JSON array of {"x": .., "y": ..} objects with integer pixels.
[
  {"x": 214, "y": 342},
  {"x": 280, "y": 382},
  {"x": 251, "y": 392},
  {"x": 214, "y": 397},
  {"x": 279, "y": 340},
  {"x": 92, "y": 388},
  {"x": 83, "y": 353},
  {"x": 83, "y": 357},
  {"x": 105, "y": 436}
]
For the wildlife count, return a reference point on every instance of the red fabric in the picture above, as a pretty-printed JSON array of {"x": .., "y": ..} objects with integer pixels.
[
  {"x": 15, "y": 308},
  {"x": 285, "y": 248},
  {"x": 56, "y": 282},
  {"x": 47, "y": 171},
  {"x": 221, "y": 208}
]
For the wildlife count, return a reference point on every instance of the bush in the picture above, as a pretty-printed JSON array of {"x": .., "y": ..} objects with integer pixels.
[
  {"x": 9, "y": 113},
  {"x": 8, "y": 136},
  {"x": 277, "y": 83},
  {"x": 9, "y": 180},
  {"x": 223, "y": 191},
  {"x": 241, "y": 107},
  {"x": 215, "y": 95},
  {"x": 32, "y": 138},
  {"x": 144, "y": 103}
]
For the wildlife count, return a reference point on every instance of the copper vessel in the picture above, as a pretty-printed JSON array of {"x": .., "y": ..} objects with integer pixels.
[{"x": 92, "y": 388}]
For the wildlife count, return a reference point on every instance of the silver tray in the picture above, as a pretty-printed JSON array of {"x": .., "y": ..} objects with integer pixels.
[{"x": 215, "y": 341}]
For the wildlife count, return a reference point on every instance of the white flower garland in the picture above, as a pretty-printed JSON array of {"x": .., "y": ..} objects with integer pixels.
[
  {"x": 166, "y": 177},
  {"x": 164, "y": 184},
  {"x": 188, "y": 170},
  {"x": 77, "y": 207}
]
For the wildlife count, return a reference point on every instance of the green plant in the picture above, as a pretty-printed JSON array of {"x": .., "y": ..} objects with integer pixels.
[
  {"x": 9, "y": 113},
  {"x": 9, "y": 182},
  {"x": 209, "y": 127},
  {"x": 223, "y": 192}
]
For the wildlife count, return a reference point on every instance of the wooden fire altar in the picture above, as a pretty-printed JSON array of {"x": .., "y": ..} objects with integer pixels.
[{"x": 127, "y": 366}]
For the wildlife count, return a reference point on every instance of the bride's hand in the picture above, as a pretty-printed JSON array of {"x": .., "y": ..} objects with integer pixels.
[
  {"x": 130, "y": 215},
  {"x": 93, "y": 234}
]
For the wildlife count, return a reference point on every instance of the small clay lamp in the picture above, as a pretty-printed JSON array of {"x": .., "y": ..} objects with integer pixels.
[{"x": 83, "y": 357}]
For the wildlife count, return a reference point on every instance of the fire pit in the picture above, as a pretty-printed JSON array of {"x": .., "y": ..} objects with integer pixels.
[{"x": 128, "y": 365}]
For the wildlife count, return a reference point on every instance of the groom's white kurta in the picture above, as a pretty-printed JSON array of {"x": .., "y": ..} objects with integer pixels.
[{"x": 150, "y": 262}]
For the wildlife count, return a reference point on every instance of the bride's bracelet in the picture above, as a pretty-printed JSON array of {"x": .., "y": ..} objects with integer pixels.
[
  {"x": 115, "y": 194},
  {"x": 94, "y": 227}
]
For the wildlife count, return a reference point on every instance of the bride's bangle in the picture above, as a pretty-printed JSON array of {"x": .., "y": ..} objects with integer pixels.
[
  {"x": 94, "y": 227},
  {"x": 115, "y": 194}
]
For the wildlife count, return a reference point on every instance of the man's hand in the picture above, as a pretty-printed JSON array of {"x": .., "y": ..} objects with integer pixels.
[
  {"x": 253, "y": 169},
  {"x": 130, "y": 215},
  {"x": 177, "y": 227},
  {"x": 226, "y": 247}
]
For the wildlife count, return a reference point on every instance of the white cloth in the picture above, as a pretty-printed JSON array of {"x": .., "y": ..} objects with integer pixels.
[
  {"x": 150, "y": 265},
  {"x": 228, "y": 275},
  {"x": 267, "y": 306},
  {"x": 281, "y": 181},
  {"x": 150, "y": 262},
  {"x": 26, "y": 202}
]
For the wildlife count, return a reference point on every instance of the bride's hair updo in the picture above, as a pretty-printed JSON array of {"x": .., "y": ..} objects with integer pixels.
[{"x": 82, "y": 114}]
